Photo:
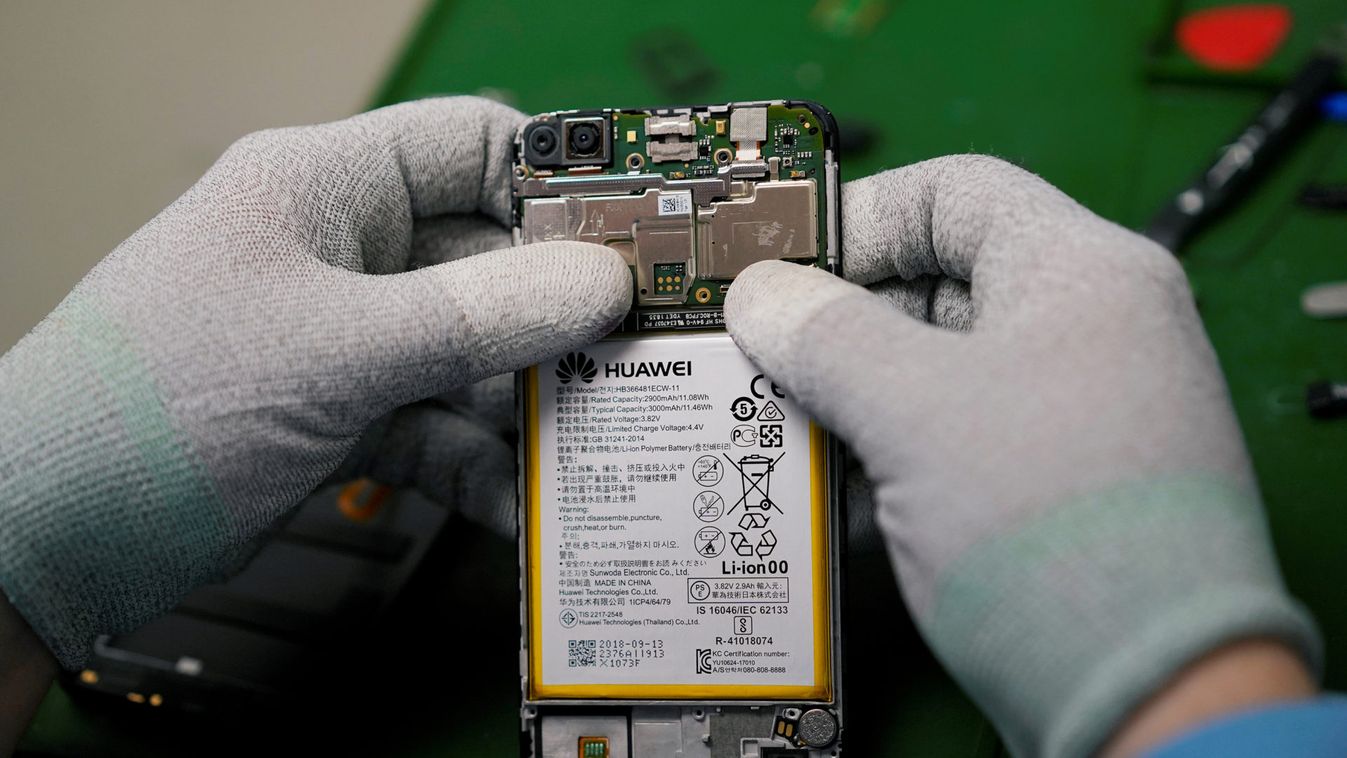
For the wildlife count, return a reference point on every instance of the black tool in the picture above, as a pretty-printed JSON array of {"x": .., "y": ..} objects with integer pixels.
[
  {"x": 1277, "y": 125},
  {"x": 1326, "y": 399},
  {"x": 1324, "y": 197}
]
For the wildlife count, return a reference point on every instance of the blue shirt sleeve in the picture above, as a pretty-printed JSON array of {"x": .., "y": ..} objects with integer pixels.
[{"x": 1309, "y": 729}]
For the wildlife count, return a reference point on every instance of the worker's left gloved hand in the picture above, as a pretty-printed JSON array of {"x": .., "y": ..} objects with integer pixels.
[{"x": 227, "y": 357}]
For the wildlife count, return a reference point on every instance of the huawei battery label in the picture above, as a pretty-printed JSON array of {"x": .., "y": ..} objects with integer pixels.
[{"x": 674, "y": 532}]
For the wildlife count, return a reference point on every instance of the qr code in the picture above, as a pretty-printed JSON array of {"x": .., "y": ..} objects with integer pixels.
[
  {"x": 675, "y": 204},
  {"x": 581, "y": 652}
]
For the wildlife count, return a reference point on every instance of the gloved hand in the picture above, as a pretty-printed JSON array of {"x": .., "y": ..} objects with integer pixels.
[
  {"x": 1063, "y": 489},
  {"x": 224, "y": 360},
  {"x": 457, "y": 448}
]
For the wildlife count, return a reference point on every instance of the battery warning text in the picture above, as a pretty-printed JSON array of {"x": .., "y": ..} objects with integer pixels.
[{"x": 672, "y": 535}]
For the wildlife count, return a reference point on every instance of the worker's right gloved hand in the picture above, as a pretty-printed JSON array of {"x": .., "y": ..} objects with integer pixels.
[{"x": 1063, "y": 489}]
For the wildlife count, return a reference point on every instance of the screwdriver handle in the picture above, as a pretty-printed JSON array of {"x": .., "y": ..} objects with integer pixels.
[{"x": 1275, "y": 127}]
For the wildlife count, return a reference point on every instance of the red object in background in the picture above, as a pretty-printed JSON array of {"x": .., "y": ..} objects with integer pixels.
[{"x": 1234, "y": 37}]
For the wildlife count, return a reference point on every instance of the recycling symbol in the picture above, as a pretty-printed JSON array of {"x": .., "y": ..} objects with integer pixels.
[
  {"x": 766, "y": 544},
  {"x": 753, "y": 521},
  {"x": 741, "y": 544}
]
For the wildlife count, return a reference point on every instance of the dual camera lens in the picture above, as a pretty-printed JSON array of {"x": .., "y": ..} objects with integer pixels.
[{"x": 575, "y": 141}]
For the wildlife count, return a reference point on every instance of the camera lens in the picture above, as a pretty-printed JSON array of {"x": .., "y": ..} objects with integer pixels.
[
  {"x": 585, "y": 139},
  {"x": 543, "y": 140}
]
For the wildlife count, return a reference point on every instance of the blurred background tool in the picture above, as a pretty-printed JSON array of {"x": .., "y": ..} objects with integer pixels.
[
  {"x": 1254, "y": 150},
  {"x": 1325, "y": 197},
  {"x": 295, "y": 628},
  {"x": 1233, "y": 38},
  {"x": 1325, "y": 300},
  {"x": 1326, "y": 400}
]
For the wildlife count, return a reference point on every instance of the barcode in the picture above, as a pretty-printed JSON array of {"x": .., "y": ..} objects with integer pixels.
[
  {"x": 581, "y": 652},
  {"x": 671, "y": 205}
]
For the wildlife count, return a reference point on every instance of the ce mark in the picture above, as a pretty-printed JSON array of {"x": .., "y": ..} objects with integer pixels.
[{"x": 753, "y": 388}]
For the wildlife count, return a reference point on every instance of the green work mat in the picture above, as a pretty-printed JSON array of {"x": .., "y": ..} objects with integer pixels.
[{"x": 1089, "y": 95}]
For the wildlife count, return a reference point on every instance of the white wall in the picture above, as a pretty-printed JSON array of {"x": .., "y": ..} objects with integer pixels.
[{"x": 109, "y": 110}]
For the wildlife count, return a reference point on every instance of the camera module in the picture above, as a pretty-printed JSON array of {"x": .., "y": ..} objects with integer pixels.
[
  {"x": 540, "y": 144},
  {"x": 564, "y": 142},
  {"x": 543, "y": 139},
  {"x": 584, "y": 139}
]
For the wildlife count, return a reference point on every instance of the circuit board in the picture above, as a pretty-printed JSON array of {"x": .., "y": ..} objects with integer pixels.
[{"x": 689, "y": 196}]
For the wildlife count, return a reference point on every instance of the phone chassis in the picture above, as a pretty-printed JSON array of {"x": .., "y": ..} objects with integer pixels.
[{"x": 680, "y": 519}]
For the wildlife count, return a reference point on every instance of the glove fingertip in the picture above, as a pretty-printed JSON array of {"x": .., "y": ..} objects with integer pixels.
[
  {"x": 602, "y": 295},
  {"x": 771, "y": 302},
  {"x": 536, "y": 300}
]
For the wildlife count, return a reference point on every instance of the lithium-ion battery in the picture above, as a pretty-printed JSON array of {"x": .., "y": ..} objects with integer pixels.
[{"x": 676, "y": 528}]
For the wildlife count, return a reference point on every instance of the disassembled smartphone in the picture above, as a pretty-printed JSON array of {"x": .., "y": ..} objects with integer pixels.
[{"x": 679, "y": 516}]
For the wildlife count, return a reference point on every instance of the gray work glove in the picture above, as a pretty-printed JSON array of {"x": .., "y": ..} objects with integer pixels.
[
  {"x": 225, "y": 359},
  {"x": 1063, "y": 489}
]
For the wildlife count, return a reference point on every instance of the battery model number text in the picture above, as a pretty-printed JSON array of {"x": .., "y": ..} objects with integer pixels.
[{"x": 733, "y": 568}]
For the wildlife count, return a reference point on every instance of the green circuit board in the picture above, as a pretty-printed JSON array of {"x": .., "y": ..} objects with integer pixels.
[{"x": 689, "y": 196}]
